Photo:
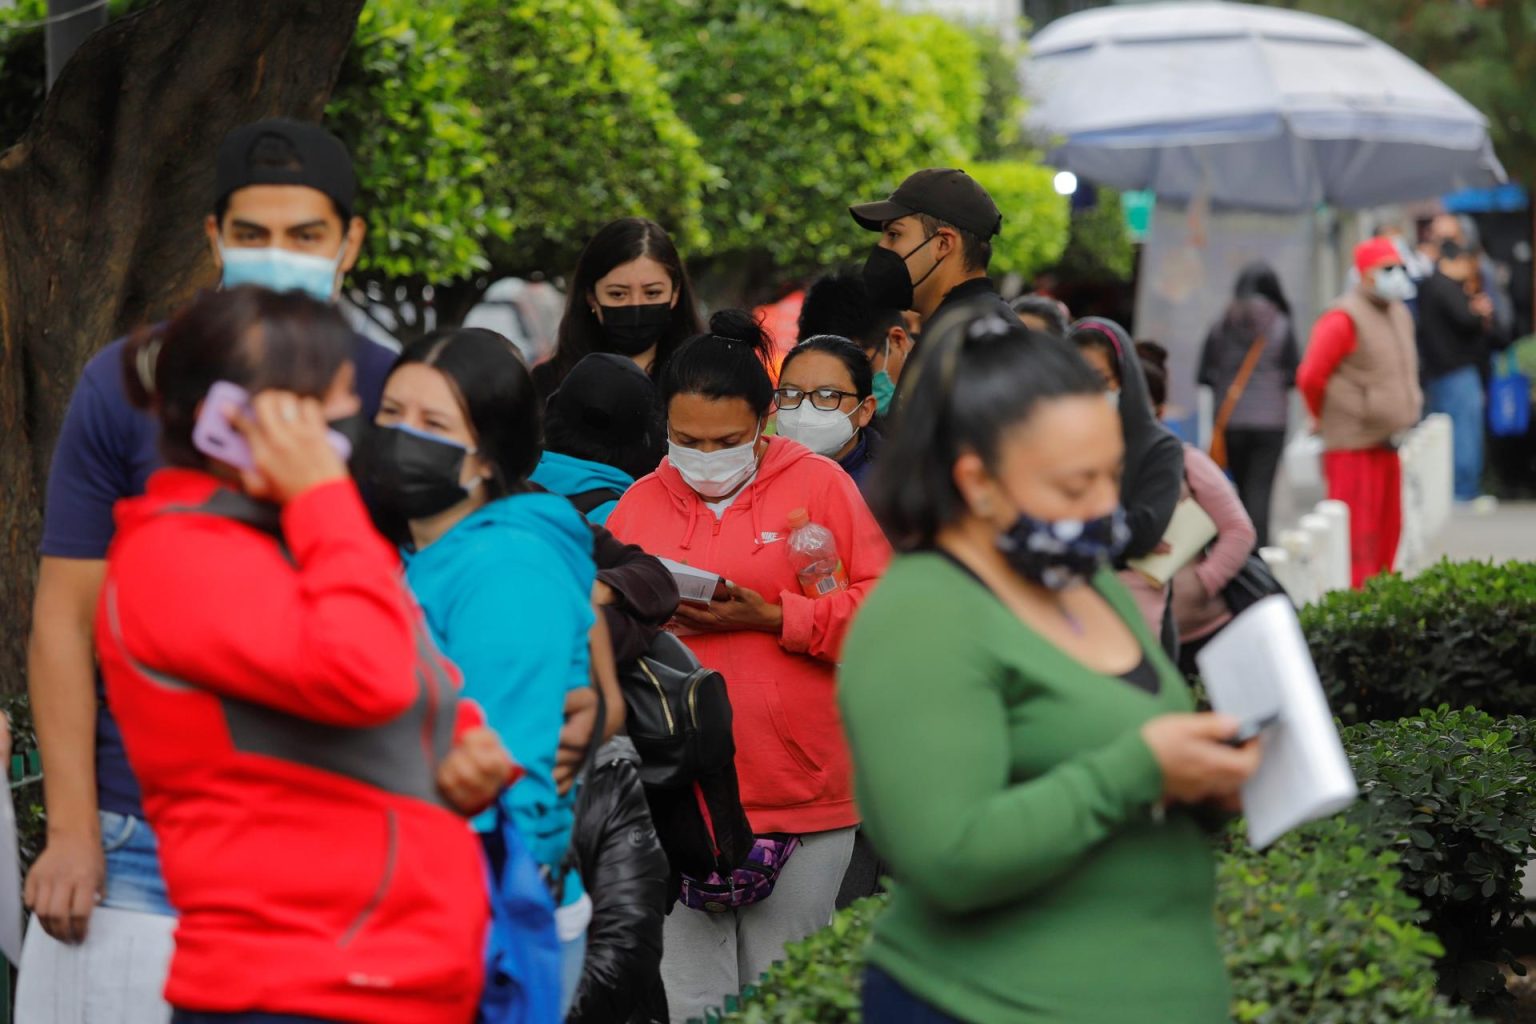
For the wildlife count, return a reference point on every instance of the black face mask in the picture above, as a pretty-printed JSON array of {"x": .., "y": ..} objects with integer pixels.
[
  {"x": 632, "y": 330},
  {"x": 410, "y": 474},
  {"x": 886, "y": 278},
  {"x": 354, "y": 428}
]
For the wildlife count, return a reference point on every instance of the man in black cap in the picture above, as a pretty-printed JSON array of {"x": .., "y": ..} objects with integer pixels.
[
  {"x": 936, "y": 234},
  {"x": 281, "y": 217}
]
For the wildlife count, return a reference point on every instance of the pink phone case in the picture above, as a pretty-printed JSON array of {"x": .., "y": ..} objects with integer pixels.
[{"x": 215, "y": 436}]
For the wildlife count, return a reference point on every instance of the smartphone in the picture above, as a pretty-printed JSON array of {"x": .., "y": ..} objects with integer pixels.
[
  {"x": 216, "y": 437},
  {"x": 1249, "y": 730}
]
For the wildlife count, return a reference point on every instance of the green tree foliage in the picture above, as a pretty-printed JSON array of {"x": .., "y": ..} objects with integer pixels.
[
  {"x": 957, "y": 53},
  {"x": 1035, "y": 218},
  {"x": 1485, "y": 51},
  {"x": 998, "y": 134},
  {"x": 580, "y": 129},
  {"x": 402, "y": 104},
  {"x": 806, "y": 106}
]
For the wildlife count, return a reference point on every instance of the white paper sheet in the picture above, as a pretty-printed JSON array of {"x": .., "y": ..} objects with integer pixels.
[
  {"x": 11, "y": 910},
  {"x": 1260, "y": 661}
]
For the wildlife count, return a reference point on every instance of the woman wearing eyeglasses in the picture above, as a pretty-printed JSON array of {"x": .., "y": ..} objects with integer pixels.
[
  {"x": 722, "y": 501},
  {"x": 826, "y": 402}
]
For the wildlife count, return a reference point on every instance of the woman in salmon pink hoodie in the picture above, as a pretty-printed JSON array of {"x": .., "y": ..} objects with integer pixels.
[{"x": 722, "y": 501}]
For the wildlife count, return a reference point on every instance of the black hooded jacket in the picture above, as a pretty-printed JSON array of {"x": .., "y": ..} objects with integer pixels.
[{"x": 1154, "y": 457}]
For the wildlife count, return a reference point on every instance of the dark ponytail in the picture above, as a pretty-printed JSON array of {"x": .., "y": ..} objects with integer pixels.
[{"x": 730, "y": 361}]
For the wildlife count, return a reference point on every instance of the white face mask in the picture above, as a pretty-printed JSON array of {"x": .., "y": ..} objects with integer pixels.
[
  {"x": 1393, "y": 284},
  {"x": 714, "y": 474},
  {"x": 823, "y": 431}
]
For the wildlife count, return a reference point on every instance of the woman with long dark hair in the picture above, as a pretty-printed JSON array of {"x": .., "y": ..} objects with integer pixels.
[
  {"x": 1249, "y": 362},
  {"x": 630, "y": 294},
  {"x": 1026, "y": 756},
  {"x": 503, "y": 572}
]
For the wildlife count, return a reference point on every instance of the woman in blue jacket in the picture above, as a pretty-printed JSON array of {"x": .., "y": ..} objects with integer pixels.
[{"x": 504, "y": 573}]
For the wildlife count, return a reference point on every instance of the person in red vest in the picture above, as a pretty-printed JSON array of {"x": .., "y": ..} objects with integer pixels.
[{"x": 1360, "y": 380}]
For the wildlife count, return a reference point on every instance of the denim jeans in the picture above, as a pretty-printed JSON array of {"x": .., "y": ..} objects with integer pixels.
[{"x": 1459, "y": 395}]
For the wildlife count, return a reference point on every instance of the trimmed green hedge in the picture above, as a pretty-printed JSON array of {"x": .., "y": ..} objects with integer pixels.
[
  {"x": 1317, "y": 929},
  {"x": 1452, "y": 794},
  {"x": 1461, "y": 633}
]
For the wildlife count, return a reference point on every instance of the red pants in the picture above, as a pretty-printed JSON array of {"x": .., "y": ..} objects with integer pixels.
[{"x": 1370, "y": 482}]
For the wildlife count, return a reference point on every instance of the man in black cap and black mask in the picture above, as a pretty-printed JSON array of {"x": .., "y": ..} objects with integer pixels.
[{"x": 936, "y": 234}]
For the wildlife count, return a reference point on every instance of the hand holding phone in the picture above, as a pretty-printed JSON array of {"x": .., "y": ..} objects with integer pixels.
[
  {"x": 216, "y": 435},
  {"x": 279, "y": 441}
]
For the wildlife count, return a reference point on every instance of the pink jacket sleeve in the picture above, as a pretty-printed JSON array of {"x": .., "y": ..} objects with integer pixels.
[
  {"x": 817, "y": 627},
  {"x": 1235, "y": 535}
]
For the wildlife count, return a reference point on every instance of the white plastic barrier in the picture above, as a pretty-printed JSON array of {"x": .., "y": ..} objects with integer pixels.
[
  {"x": 1312, "y": 558},
  {"x": 1428, "y": 490}
]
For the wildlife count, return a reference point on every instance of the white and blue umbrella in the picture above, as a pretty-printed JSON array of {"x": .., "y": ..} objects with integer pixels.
[{"x": 1247, "y": 106}]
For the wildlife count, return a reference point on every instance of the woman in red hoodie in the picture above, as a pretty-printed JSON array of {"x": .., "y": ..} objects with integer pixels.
[
  {"x": 305, "y": 760},
  {"x": 722, "y": 501}
]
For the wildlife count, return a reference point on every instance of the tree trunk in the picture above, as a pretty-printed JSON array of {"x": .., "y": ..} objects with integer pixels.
[{"x": 101, "y": 211}]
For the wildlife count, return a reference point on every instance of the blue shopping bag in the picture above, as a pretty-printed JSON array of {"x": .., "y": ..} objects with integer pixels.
[
  {"x": 1509, "y": 399},
  {"x": 522, "y": 969}
]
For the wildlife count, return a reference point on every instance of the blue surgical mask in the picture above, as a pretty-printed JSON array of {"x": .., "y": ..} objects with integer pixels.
[
  {"x": 1062, "y": 553},
  {"x": 279, "y": 270}
]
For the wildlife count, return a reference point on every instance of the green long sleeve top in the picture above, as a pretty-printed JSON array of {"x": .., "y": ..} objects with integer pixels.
[{"x": 1009, "y": 788}]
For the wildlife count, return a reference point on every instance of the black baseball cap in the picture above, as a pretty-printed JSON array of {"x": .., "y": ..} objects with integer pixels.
[
  {"x": 282, "y": 151},
  {"x": 605, "y": 397},
  {"x": 943, "y": 192}
]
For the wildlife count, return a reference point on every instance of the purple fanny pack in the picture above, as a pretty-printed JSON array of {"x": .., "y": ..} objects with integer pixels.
[{"x": 751, "y": 883}]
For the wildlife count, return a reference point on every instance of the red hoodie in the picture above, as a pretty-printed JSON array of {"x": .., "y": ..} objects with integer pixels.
[
  {"x": 790, "y": 753},
  {"x": 285, "y": 714}
]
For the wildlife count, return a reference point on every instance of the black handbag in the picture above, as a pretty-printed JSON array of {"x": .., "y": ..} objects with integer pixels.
[{"x": 1252, "y": 584}]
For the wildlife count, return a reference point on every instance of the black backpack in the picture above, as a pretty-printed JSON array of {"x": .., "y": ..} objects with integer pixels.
[
  {"x": 679, "y": 719},
  {"x": 679, "y": 714}
]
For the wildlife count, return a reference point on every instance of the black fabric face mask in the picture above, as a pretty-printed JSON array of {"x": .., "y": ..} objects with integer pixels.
[
  {"x": 632, "y": 330},
  {"x": 409, "y": 474},
  {"x": 354, "y": 428},
  {"x": 886, "y": 278}
]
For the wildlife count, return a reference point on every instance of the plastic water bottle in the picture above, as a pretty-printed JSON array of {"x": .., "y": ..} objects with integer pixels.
[{"x": 813, "y": 556}]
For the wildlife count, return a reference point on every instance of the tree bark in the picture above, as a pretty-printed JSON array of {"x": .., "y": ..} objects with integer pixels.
[{"x": 101, "y": 211}]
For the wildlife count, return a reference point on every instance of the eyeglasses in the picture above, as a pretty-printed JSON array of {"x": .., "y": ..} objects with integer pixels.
[{"x": 825, "y": 399}]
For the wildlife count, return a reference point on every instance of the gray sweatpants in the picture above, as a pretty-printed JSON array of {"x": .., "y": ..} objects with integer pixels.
[{"x": 706, "y": 957}]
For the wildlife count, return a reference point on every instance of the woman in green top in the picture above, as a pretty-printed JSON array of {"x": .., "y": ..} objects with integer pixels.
[{"x": 1025, "y": 755}]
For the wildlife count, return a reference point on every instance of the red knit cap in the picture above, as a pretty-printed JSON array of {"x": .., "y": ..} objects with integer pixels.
[{"x": 1375, "y": 252}]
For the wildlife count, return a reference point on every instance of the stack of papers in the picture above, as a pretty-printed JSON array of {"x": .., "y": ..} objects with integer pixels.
[{"x": 1257, "y": 666}]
